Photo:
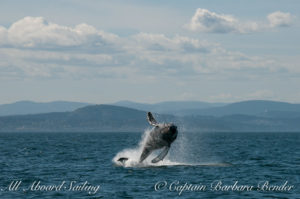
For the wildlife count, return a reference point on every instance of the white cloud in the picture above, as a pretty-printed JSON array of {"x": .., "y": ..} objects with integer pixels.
[
  {"x": 3, "y": 35},
  {"x": 279, "y": 19},
  {"x": 211, "y": 22},
  {"x": 36, "y": 32},
  {"x": 159, "y": 42},
  {"x": 260, "y": 94},
  {"x": 206, "y": 21},
  {"x": 251, "y": 95},
  {"x": 33, "y": 47},
  {"x": 221, "y": 97}
]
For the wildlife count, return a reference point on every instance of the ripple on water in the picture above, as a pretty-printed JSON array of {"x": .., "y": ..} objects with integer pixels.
[{"x": 193, "y": 158}]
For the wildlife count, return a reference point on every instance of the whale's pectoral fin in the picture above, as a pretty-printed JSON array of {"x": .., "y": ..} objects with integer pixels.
[
  {"x": 146, "y": 152},
  {"x": 151, "y": 119},
  {"x": 162, "y": 155}
]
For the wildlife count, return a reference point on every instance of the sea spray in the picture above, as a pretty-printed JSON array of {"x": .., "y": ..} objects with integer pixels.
[
  {"x": 133, "y": 154},
  {"x": 183, "y": 152},
  {"x": 180, "y": 148}
]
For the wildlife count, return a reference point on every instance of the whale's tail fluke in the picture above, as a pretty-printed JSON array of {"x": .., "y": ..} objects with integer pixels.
[{"x": 122, "y": 160}]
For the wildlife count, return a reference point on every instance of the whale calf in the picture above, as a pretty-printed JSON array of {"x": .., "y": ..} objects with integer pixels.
[{"x": 161, "y": 136}]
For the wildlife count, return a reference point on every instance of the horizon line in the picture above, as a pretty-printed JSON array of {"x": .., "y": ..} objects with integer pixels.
[{"x": 115, "y": 102}]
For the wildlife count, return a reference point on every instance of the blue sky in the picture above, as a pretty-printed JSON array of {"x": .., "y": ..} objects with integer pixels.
[{"x": 149, "y": 51}]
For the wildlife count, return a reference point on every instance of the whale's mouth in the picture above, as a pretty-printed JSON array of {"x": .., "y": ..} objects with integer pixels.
[{"x": 173, "y": 128}]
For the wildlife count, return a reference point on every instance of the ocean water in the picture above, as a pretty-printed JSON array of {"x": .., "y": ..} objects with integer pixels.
[{"x": 199, "y": 165}]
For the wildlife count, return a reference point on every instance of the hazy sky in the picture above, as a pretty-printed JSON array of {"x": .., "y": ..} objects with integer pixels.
[{"x": 149, "y": 51}]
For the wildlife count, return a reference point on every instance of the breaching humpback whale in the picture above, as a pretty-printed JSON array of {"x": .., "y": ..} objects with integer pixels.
[{"x": 161, "y": 136}]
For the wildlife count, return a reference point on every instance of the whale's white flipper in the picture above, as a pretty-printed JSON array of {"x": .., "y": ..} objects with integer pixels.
[
  {"x": 151, "y": 119},
  {"x": 162, "y": 155}
]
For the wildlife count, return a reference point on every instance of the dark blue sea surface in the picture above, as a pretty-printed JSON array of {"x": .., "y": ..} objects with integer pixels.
[{"x": 219, "y": 162}]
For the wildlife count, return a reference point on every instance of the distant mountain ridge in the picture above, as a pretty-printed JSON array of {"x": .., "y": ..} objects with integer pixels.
[
  {"x": 261, "y": 108},
  {"x": 168, "y": 107},
  {"x": 89, "y": 118},
  {"x": 30, "y": 107},
  {"x": 254, "y": 107},
  {"x": 110, "y": 118}
]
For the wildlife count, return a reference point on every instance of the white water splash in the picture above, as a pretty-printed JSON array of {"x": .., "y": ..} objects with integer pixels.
[
  {"x": 178, "y": 155},
  {"x": 133, "y": 156}
]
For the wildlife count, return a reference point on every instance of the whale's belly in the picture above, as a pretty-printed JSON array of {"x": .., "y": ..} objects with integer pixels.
[{"x": 155, "y": 140}]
